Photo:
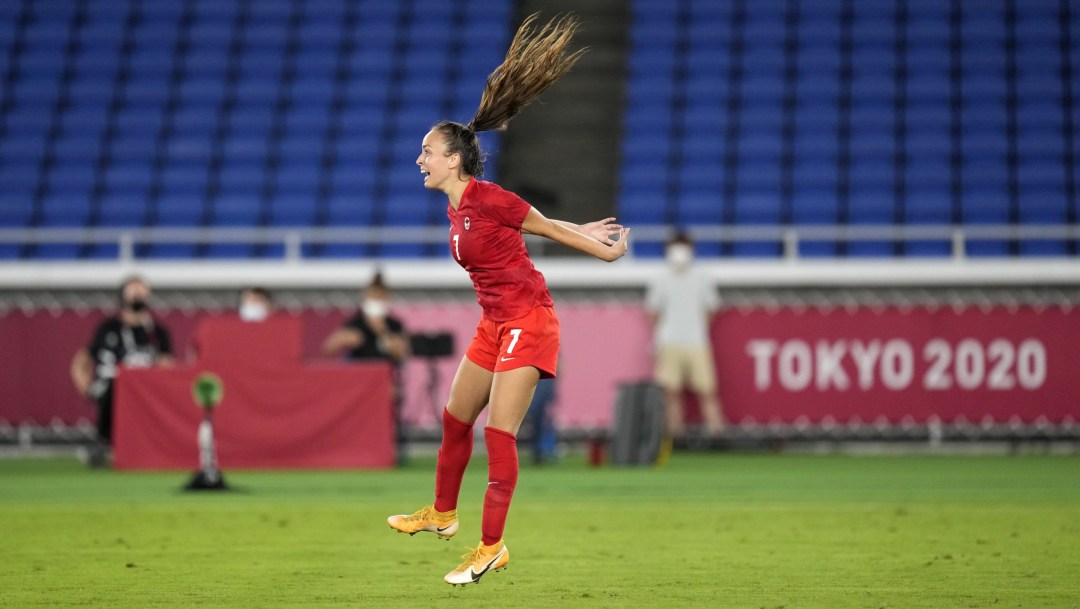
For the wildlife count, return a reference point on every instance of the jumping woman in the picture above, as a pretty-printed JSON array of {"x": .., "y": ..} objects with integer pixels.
[{"x": 517, "y": 339}]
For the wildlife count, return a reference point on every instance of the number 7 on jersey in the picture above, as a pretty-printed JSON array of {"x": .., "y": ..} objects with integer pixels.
[{"x": 516, "y": 333}]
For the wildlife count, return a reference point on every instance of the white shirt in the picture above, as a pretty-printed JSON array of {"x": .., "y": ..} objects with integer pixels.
[{"x": 682, "y": 302}]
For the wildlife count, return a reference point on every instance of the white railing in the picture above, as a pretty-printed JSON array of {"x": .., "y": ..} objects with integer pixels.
[
  {"x": 293, "y": 240},
  {"x": 296, "y": 270}
]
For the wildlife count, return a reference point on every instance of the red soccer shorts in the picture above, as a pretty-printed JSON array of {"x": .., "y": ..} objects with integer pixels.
[{"x": 532, "y": 340}]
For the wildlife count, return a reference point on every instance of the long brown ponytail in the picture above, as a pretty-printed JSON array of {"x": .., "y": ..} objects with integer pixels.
[{"x": 534, "y": 61}]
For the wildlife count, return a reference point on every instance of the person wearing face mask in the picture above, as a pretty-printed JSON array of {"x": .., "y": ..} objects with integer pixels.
[
  {"x": 373, "y": 333},
  {"x": 131, "y": 338},
  {"x": 255, "y": 304},
  {"x": 679, "y": 304}
]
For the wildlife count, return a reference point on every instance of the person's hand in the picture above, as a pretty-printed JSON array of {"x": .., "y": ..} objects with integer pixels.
[
  {"x": 351, "y": 339},
  {"x": 602, "y": 230},
  {"x": 618, "y": 250}
]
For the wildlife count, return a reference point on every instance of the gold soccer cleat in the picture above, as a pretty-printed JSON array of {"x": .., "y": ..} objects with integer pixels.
[
  {"x": 443, "y": 524},
  {"x": 479, "y": 561}
]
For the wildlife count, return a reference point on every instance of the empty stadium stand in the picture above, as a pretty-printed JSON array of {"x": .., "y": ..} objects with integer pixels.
[
  {"x": 739, "y": 113},
  {"x": 247, "y": 113},
  {"x": 845, "y": 112}
]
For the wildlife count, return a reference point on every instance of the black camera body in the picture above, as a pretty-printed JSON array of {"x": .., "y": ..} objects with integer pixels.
[{"x": 432, "y": 344}]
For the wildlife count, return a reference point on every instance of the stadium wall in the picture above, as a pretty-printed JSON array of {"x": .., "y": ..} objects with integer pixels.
[{"x": 806, "y": 311}]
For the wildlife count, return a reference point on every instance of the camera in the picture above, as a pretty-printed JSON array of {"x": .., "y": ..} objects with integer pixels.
[{"x": 432, "y": 344}]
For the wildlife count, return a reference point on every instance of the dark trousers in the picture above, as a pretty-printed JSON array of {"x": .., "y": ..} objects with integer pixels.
[{"x": 105, "y": 417}]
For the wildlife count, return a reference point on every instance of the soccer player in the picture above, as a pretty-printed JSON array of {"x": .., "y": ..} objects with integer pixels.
[{"x": 517, "y": 339}]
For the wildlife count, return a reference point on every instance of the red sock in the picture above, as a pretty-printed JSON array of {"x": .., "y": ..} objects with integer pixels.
[
  {"x": 502, "y": 478},
  {"x": 457, "y": 441}
]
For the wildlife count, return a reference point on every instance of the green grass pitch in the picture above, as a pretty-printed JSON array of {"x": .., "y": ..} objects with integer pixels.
[{"x": 706, "y": 531}]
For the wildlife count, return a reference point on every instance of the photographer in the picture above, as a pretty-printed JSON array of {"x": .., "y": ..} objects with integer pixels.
[
  {"x": 131, "y": 338},
  {"x": 373, "y": 333}
]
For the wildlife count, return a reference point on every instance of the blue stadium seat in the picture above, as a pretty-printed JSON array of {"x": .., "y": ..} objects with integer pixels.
[
  {"x": 986, "y": 203},
  {"x": 20, "y": 179},
  {"x": 15, "y": 212},
  {"x": 133, "y": 148},
  {"x": 261, "y": 64},
  {"x": 307, "y": 119},
  {"x": 762, "y": 113},
  {"x": 869, "y": 141},
  {"x": 237, "y": 209},
  {"x": 704, "y": 179},
  {"x": 188, "y": 148},
  {"x": 265, "y": 34},
  {"x": 139, "y": 121},
  {"x": 247, "y": 147},
  {"x": 91, "y": 88},
  {"x": 322, "y": 34},
  {"x": 651, "y": 61},
  {"x": 131, "y": 175},
  {"x": 299, "y": 177},
  {"x": 368, "y": 90},
  {"x": 817, "y": 205},
  {"x": 185, "y": 179},
  {"x": 349, "y": 180},
  {"x": 353, "y": 208},
  {"x": 205, "y": 92},
  {"x": 24, "y": 147},
  {"x": 1043, "y": 205},
  {"x": 877, "y": 89},
  {"x": 928, "y": 204},
  {"x": 184, "y": 209},
  {"x": 252, "y": 119},
  {"x": 872, "y": 171},
  {"x": 209, "y": 33},
  {"x": 820, "y": 119},
  {"x": 123, "y": 209},
  {"x": 147, "y": 91},
  {"x": 302, "y": 146},
  {"x": 870, "y": 205},
  {"x": 642, "y": 206},
  {"x": 62, "y": 210},
  {"x": 311, "y": 89},
  {"x": 242, "y": 176},
  {"x": 694, "y": 208},
  {"x": 984, "y": 118},
  {"x": 815, "y": 173},
  {"x": 293, "y": 210},
  {"x": 818, "y": 29},
  {"x": 73, "y": 178},
  {"x": 757, "y": 204}
]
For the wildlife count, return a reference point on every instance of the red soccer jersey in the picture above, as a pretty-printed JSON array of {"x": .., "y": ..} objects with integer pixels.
[{"x": 485, "y": 239}]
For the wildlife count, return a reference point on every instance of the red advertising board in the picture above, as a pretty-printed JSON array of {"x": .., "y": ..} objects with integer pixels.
[
  {"x": 975, "y": 364},
  {"x": 322, "y": 416}
]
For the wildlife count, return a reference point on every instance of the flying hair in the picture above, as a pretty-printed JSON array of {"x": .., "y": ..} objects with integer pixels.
[{"x": 534, "y": 61}]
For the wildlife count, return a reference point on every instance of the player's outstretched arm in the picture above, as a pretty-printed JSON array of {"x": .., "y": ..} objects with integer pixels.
[
  {"x": 601, "y": 230},
  {"x": 558, "y": 231}
]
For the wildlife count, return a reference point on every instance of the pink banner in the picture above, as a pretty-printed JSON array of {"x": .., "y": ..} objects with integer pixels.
[{"x": 971, "y": 364}]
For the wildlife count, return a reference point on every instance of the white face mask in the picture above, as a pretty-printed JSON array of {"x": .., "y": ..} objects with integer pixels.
[
  {"x": 374, "y": 307},
  {"x": 679, "y": 256},
  {"x": 253, "y": 311}
]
